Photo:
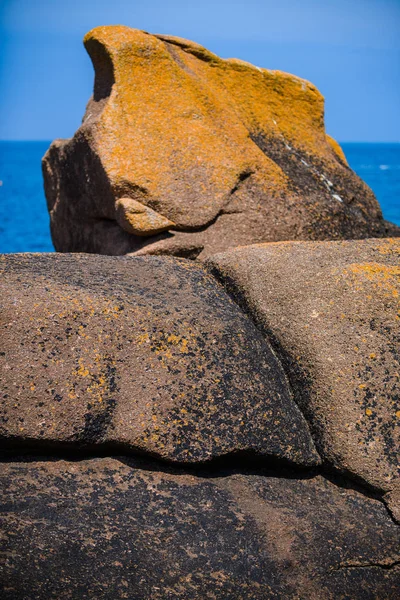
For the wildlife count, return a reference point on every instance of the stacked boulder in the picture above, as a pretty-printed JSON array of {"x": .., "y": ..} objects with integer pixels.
[
  {"x": 183, "y": 153},
  {"x": 222, "y": 428}
]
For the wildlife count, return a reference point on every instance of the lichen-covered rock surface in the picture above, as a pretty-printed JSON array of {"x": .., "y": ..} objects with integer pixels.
[
  {"x": 182, "y": 152},
  {"x": 105, "y": 529},
  {"x": 152, "y": 446},
  {"x": 332, "y": 312},
  {"x": 147, "y": 353}
]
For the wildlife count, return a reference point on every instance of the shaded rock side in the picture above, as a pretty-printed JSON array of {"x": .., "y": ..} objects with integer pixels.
[
  {"x": 106, "y": 530},
  {"x": 331, "y": 311},
  {"x": 148, "y": 353},
  {"x": 223, "y": 153}
]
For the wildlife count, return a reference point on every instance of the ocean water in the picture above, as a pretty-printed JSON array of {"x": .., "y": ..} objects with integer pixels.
[
  {"x": 24, "y": 221},
  {"x": 379, "y": 166}
]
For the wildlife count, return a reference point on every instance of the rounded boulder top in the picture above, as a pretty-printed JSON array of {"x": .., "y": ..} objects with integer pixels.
[{"x": 144, "y": 354}]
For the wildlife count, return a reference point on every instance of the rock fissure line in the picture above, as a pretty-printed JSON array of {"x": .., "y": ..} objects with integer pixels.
[
  {"x": 238, "y": 298},
  {"x": 387, "y": 566},
  {"x": 240, "y": 462},
  {"x": 241, "y": 179},
  {"x": 220, "y": 467}
]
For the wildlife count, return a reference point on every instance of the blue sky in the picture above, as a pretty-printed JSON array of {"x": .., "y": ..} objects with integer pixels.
[{"x": 350, "y": 49}]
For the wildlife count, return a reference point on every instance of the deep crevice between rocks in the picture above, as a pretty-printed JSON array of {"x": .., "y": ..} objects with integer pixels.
[
  {"x": 237, "y": 461},
  {"x": 327, "y": 470},
  {"x": 236, "y": 294},
  {"x": 242, "y": 462}
]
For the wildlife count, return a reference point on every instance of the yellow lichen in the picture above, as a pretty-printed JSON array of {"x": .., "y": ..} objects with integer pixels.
[
  {"x": 336, "y": 148},
  {"x": 390, "y": 246},
  {"x": 384, "y": 278},
  {"x": 82, "y": 370},
  {"x": 176, "y": 107}
]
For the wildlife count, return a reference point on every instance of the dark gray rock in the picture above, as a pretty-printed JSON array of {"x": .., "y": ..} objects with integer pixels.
[{"x": 101, "y": 529}]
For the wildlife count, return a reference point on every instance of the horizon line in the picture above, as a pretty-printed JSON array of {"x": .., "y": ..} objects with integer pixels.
[{"x": 339, "y": 141}]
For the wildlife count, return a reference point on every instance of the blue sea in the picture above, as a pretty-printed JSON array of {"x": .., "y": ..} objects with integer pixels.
[{"x": 24, "y": 221}]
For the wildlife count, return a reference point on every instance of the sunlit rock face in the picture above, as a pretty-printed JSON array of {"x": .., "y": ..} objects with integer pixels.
[
  {"x": 144, "y": 354},
  {"x": 332, "y": 312},
  {"x": 182, "y": 152}
]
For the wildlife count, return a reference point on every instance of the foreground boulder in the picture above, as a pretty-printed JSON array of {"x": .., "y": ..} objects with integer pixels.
[
  {"x": 148, "y": 354},
  {"x": 182, "y": 152},
  {"x": 332, "y": 312},
  {"x": 101, "y": 529}
]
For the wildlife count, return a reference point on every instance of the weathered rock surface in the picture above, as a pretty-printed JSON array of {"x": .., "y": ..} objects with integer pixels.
[
  {"x": 331, "y": 310},
  {"x": 392, "y": 501},
  {"x": 149, "y": 353},
  {"x": 103, "y": 529},
  {"x": 224, "y": 152}
]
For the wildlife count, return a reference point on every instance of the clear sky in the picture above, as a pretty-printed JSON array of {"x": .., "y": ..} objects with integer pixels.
[{"x": 350, "y": 49}]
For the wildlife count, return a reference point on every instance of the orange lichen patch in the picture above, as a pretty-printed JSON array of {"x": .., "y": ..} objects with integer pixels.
[
  {"x": 384, "y": 278},
  {"x": 389, "y": 246},
  {"x": 196, "y": 114},
  {"x": 179, "y": 341},
  {"x": 170, "y": 110},
  {"x": 375, "y": 270},
  {"x": 336, "y": 148},
  {"x": 191, "y": 47},
  {"x": 82, "y": 370}
]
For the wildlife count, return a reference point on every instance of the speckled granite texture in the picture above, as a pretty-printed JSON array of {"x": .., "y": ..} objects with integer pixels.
[
  {"x": 332, "y": 312},
  {"x": 147, "y": 353},
  {"x": 102, "y": 529},
  {"x": 158, "y": 442}
]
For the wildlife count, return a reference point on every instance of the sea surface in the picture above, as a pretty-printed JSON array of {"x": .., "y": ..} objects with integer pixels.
[{"x": 24, "y": 221}]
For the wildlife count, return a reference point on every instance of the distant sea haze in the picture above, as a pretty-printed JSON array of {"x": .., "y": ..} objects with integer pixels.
[{"x": 24, "y": 220}]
